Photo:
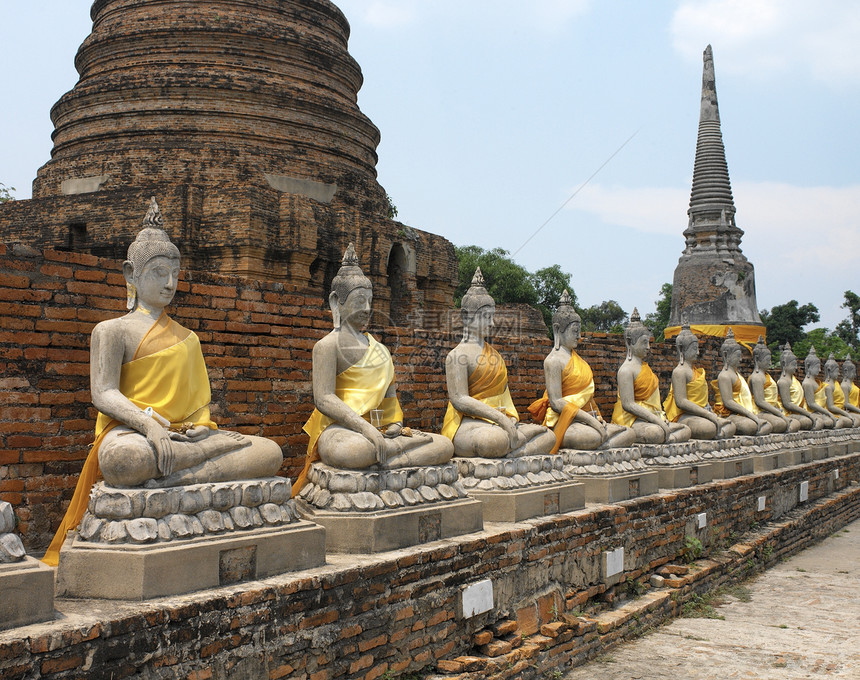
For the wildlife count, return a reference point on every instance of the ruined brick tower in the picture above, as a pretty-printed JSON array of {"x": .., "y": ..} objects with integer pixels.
[
  {"x": 241, "y": 116},
  {"x": 714, "y": 284}
]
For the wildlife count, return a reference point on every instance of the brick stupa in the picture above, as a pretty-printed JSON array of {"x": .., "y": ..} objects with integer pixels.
[
  {"x": 241, "y": 116},
  {"x": 714, "y": 283}
]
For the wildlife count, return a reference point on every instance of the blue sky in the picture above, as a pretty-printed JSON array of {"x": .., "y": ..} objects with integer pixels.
[{"x": 493, "y": 113}]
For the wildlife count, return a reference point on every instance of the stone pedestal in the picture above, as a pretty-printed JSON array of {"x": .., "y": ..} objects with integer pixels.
[
  {"x": 26, "y": 593},
  {"x": 379, "y": 531},
  {"x": 726, "y": 468},
  {"x": 789, "y": 457},
  {"x": 136, "y": 544},
  {"x": 616, "y": 488},
  {"x": 681, "y": 476},
  {"x": 514, "y": 489},
  {"x": 368, "y": 511},
  {"x": 766, "y": 462},
  {"x": 142, "y": 572}
]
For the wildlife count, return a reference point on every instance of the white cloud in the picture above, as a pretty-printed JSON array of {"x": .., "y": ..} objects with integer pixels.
[
  {"x": 656, "y": 210},
  {"x": 760, "y": 38}
]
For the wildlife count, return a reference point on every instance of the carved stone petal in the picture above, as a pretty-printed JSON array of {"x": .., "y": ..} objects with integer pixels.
[
  {"x": 431, "y": 477},
  {"x": 241, "y": 516},
  {"x": 344, "y": 483},
  {"x": 391, "y": 499},
  {"x": 115, "y": 532},
  {"x": 366, "y": 501},
  {"x": 252, "y": 495},
  {"x": 410, "y": 496},
  {"x": 158, "y": 505},
  {"x": 270, "y": 513},
  {"x": 212, "y": 521},
  {"x": 113, "y": 506},
  {"x": 447, "y": 492},
  {"x": 449, "y": 474},
  {"x": 180, "y": 526},
  {"x": 90, "y": 528},
  {"x": 164, "y": 532},
  {"x": 223, "y": 497},
  {"x": 323, "y": 499},
  {"x": 11, "y": 548},
  {"x": 280, "y": 491},
  {"x": 429, "y": 494},
  {"x": 191, "y": 502},
  {"x": 340, "y": 502},
  {"x": 142, "y": 530}
]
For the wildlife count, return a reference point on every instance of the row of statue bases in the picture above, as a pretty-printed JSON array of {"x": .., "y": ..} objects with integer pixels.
[{"x": 161, "y": 475}]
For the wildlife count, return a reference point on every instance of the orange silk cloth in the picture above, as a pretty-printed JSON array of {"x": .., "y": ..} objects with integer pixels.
[
  {"x": 646, "y": 392},
  {"x": 167, "y": 373},
  {"x": 487, "y": 383},
  {"x": 577, "y": 389},
  {"x": 746, "y": 335},
  {"x": 771, "y": 395},
  {"x": 740, "y": 393},
  {"x": 697, "y": 392}
]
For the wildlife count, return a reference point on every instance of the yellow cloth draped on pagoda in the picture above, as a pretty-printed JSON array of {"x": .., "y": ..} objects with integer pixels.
[
  {"x": 744, "y": 334},
  {"x": 488, "y": 383},
  {"x": 362, "y": 387},
  {"x": 646, "y": 393},
  {"x": 577, "y": 389},
  {"x": 854, "y": 397},
  {"x": 167, "y": 373},
  {"x": 740, "y": 393},
  {"x": 771, "y": 395},
  {"x": 697, "y": 392}
]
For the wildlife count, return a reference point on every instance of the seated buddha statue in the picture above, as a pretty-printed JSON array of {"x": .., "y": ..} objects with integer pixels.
[
  {"x": 638, "y": 406},
  {"x": 687, "y": 401},
  {"x": 568, "y": 404},
  {"x": 353, "y": 376},
  {"x": 815, "y": 391},
  {"x": 765, "y": 395},
  {"x": 149, "y": 383},
  {"x": 733, "y": 398},
  {"x": 849, "y": 390},
  {"x": 791, "y": 392},
  {"x": 834, "y": 397},
  {"x": 481, "y": 419}
]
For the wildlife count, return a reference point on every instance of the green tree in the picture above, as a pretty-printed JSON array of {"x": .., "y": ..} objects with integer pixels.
[
  {"x": 607, "y": 317},
  {"x": 6, "y": 193},
  {"x": 849, "y": 329},
  {"x": 505, "y": 280},
  {"x": 550, "y": 283},
  {"x": 825, "y": 343},
  {"x": 659, "y": 319},
  {"x": 784, "y": 323}
]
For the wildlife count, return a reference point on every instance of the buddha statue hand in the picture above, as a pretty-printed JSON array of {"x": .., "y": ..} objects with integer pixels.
[
  {"x": 159, "y": 439},
  {"x": 192, "y": 434},
  {"x": 393, "y": 430}
]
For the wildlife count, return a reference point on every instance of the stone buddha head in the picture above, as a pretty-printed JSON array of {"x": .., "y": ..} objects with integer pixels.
[
  {"x": 761, "y": 354},
  {"x": 477, "y": 307},
  {"x": 812, "y": 364},
  {"x": 730, "y": 350},
  {"x": 152, "y": 269},
  {"x": 787, "y": 359},
  {"x": 849, "y": 370},
  {"x": 637, "y": 337},
  {"x": 566, "y": 323},
  {"x": 351, "y": 297},
  {"x": 687, "y": 344},
  {"x": 831, "y": 368}
]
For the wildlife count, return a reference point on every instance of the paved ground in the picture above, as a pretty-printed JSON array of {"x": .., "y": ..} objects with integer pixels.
[{"x": 802, "y": 620}]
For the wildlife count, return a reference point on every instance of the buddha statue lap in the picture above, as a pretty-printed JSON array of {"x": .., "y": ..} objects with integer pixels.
[
  {"x": 791, "y": 393},
  {"x": 638, "y": 406},
  {"x": 849, "y": 390},
  {"x": 815, "y": 391},
  {"x": 481, "y": 419},
  {"x": 149, "y": 383},
  {"x": 568, "y": 404},
  {"x": 687, "y": 401},
  {"x": 353, "y": 381},
  {"x": 834, "y": 397},
  {"x": 765, "y": 394}
]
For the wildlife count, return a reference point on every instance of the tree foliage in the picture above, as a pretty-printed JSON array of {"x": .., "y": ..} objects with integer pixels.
[
  {"x": 849, "y": 329},
  {"x": 509, "y": 282},
  {"x": 659, "y": 319},
  {"x": 6, "y": 193},
  {"x": 784, "y": 323},
  {"x": 607, "y": 317}
]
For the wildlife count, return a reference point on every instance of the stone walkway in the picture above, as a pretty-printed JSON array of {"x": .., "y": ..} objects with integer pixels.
[{"x": 801, "y": 620}]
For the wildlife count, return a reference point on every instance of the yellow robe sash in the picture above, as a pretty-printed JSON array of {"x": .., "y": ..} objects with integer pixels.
[
  {"x": 697, "y": 392},
  {"x": 820, "y": 396},
  {"x": 577, "y": 389},
  {"x": 771, "y": 395},
  {"x": 854, "y": 397},
  {"x": 796, "y": 392},
  {"x": 488, "y": 383},
  {"x": 740, "y": 393},
  {"x": 168, "y": 373},
  {"x": 362, "y": 387},
  {"x": 838, "y": 396},
  {"x": 646, "y": 392}
]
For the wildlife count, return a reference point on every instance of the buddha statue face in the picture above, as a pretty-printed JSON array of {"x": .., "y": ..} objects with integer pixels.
[
  {"x": 640, "y": 346},
  {"x": 351, "y": 296},
  {"x": 849, "y": 370},
  {"x": 812, "y": 366},
  {"x": 762, "y": 358},
  {"x": 480, "y": 321},
  {"x": 156, "y": 283},
  {"x": 687, "y": 344},
  {"x": 356, "y": 309},
  {"x": 733, "y": 357},
  {"x": 569, "y": 337},
  {"x": 831, "y": 369}
]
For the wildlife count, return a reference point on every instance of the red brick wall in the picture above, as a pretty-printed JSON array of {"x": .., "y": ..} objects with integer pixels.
[{"x": 257, "y": 339}]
